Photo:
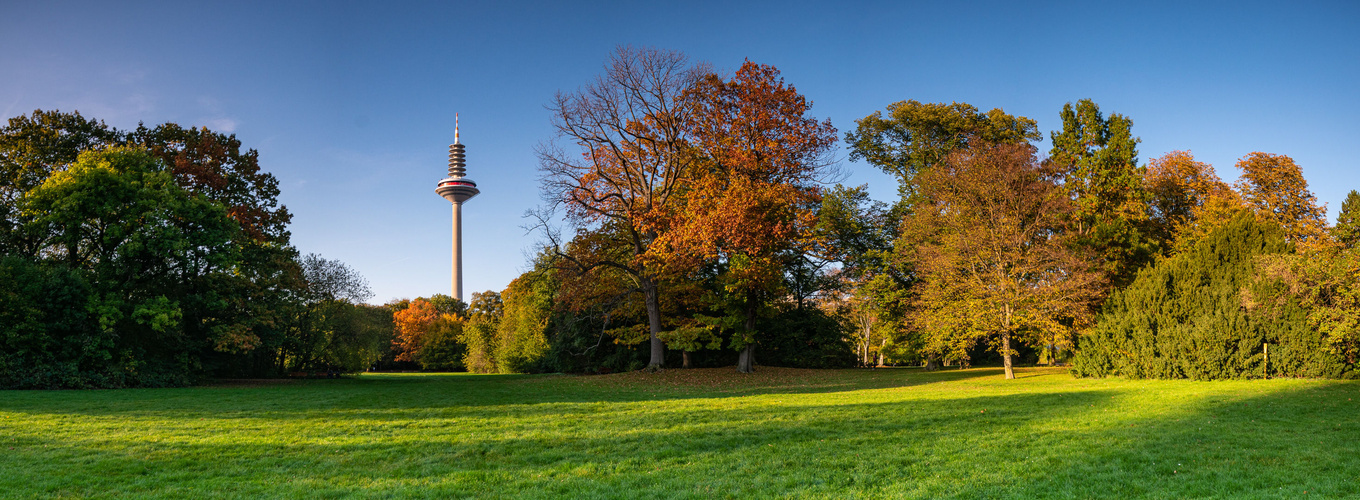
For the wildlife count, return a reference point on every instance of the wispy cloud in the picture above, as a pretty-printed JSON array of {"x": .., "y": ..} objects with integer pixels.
[
  {"x": 127, "y": 76},
  {"x": 9, "y": 110},
  {"x": 224, "y": 125}
]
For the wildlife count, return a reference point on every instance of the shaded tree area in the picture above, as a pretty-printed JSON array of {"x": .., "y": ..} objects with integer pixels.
[{"x": 168, "y": 253}]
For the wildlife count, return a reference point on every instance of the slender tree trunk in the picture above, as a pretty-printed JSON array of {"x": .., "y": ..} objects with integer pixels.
[
  {"x": 746, "y": 361},
  {"x": 882, "y": 345},
  {"x": 658, "y": 361},
  {"x": 686, "y": 362},
  {"x": 1006, "y": 345}
]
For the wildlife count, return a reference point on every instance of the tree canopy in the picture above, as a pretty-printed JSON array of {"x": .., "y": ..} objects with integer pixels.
[{"x": 991, "y": 255}]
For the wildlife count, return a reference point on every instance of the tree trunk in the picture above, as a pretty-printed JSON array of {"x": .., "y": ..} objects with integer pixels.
[
  {"x": 881, "y": 346},
  {"x": 685, "y": 363},
  {"x": 1006, "y": 344},
  {"x": 746, "y": 361},
  {"x": 1006, "y": 356},
  {"x": 658, "y": 361},
  {"x": 932, "y": 364}
]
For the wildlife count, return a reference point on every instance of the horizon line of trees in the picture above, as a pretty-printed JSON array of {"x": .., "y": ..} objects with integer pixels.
[{"x": 703, "y": 225}]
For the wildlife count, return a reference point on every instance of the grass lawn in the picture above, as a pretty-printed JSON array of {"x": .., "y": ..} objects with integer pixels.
[{"x": 690, "y": 434}]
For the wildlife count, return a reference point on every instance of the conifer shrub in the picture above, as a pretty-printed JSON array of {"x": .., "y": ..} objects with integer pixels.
[{"x": 1199, "y": 315}]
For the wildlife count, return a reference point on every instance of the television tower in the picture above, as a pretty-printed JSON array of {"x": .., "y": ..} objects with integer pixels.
[{"x": 457, "y": 189}]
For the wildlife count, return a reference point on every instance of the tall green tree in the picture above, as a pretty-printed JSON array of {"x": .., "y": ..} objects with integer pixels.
[
  {"x": 1098, "y": 157},
  {"x": 255, "y": 305},
  {"x": 155, "y": 256},
  {"x": 915, "y": 136},
  {"x": 1347, "y": 229}
]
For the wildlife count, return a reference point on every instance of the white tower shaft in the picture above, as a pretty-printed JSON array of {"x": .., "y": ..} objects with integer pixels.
[{"x": 457, "y": 286}]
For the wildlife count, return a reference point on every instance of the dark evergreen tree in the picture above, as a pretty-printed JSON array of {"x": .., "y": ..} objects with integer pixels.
[
  {"x": 1347, "y": 229},
  {"x": 1201, "y": 314},
  {"x": 1098, "y": 158}
]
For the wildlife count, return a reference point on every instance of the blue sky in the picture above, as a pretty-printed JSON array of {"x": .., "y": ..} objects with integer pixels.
[{"x": 351, "y": 104}]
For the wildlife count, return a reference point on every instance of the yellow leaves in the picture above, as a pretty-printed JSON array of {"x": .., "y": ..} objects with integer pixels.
[
  {"x": 988, "y": 256},
  {"x": 1274, "y": 186},
  {"x": 630, "y": 335}
]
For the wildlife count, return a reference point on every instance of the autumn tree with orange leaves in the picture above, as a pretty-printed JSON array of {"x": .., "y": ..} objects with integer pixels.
[
  {"x": 623, "y": 164},
  {"x": 757, "y": 190},
  {"x": 1273, "y": 185},
  {"x": 1188, "y": 199},
  {"x": 411, "y": 324},
  {"x": 427, "y": 336}
]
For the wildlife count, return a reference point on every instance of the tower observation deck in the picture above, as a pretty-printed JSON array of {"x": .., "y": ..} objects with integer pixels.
[{"x": 457, "y": 188}]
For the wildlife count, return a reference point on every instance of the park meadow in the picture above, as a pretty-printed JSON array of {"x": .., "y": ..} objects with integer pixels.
[{"x": 702, "y": 433}]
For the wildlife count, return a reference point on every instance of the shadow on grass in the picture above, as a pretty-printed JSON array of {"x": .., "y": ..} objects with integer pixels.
[{"x": 427, "y": 392}]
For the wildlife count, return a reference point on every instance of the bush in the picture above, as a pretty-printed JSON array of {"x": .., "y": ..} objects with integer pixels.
[
  {"x": 1185, "y": 317},
  {"x": 48, "y": 337},
  {"x": 522, "y": 340},
  {"x": 442, "y": 348},
  {"x": 804, "y": 337}
]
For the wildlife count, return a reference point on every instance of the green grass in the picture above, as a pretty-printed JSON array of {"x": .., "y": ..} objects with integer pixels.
[{"x": 691, "y": 434}]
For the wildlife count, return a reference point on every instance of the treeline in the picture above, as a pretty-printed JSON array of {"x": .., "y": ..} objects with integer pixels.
[
  {"x": 694, "y": 219},
  {"x": 160, "y": 257},
  {"x": 702, "y": 227}
]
